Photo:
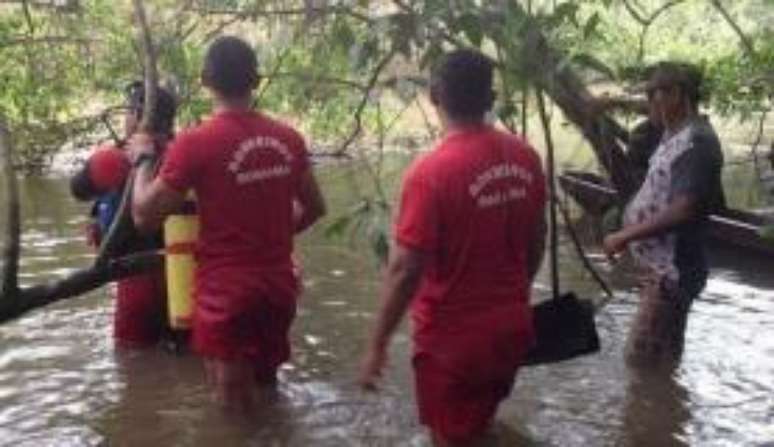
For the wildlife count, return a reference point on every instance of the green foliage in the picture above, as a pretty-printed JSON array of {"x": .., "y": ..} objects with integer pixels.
[{"x": 370, "y": 218}]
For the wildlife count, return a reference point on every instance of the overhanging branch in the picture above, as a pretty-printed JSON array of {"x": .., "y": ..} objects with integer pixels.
[
  {"x": 743, "y": 38},
  {"x": 358, "y": 128}
]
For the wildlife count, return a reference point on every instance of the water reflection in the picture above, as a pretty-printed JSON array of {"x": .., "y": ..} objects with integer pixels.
[{"x": 62, "y": 383}]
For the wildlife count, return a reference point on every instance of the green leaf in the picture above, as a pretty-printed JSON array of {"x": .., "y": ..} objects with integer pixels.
[
  {"x": 381, "y": 246},
  {"x": 567, "y": 11},
  {"x": 338, "y": 227},
  {"x": 343, "y": 34},
  {"x": 591, "y": 26},
  {"x": 470, "y": 25}
]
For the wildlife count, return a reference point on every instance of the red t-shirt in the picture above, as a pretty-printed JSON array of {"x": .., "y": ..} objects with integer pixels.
[
  {"x": 472, "y": 205},
  {"x": 245, "y": 169}
]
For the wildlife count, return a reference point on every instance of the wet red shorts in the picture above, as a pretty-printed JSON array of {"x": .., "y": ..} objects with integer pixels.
[
  {"x": 461, "y": 379},
  {"x": 255, "y": 329},
  {"x": 452, "y": 407},
  {"x": 140, "y": 314}
]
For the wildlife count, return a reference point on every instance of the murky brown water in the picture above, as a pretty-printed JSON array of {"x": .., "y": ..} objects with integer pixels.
[{"x": 62, "y": 383}]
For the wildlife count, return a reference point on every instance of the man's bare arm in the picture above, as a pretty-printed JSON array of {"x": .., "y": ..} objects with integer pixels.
[
  {"x": 311, "y": 204},
  {"x": 401, "y": 280},
  {"x": 682, "y": 209},
  {"x": 152, "y": 200}
]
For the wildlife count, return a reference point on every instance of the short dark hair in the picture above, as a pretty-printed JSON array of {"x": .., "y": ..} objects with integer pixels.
[
  {"x": 166, "y": 107},
  {"x": 462, "y": 84},
  {"x": 687, "y": 77},
  {"x": 230, "y": 67}
]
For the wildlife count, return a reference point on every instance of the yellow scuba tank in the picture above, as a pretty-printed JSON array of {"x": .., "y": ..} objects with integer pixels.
[{"x": 181, "y": 231}]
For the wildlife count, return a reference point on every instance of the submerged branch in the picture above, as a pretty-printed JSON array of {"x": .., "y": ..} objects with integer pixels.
[{"x": 77, "y": 283}]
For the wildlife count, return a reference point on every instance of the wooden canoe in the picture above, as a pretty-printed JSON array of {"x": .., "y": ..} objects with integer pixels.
[{"x": 731, "y": 227}]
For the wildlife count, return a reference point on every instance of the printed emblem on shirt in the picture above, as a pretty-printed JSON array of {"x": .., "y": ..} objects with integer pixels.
[
  {"x": 501, "y": 195},
  {"x": 281, "y": 168}
]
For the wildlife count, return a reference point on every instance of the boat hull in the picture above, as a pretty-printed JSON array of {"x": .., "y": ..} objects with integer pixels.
[{"x": 731, "y": 227}]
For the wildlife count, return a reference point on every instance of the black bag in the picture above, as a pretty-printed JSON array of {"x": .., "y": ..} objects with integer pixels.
[{"x": 564, "y": 329}]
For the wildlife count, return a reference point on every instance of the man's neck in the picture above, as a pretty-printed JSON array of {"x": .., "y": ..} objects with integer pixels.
[
  {"x": 232, "y": 104},
  {"x": 677, "y": 122},
  {"x": 456, "y": 126}
]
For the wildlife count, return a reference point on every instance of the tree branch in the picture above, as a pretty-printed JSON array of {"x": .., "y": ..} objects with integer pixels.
[
  {"x": 364, "y": 101},
  {"x": 635, "y": 15},
  {"x": 76, "y": 284},
  {"x": 43, "y": 40},
  {"x": 746, "y": 42},
  {"x": 545, "y": 66},
  {"x": 121, "y": 227},
  {"x": 70, "y": 6},
  {"x": 646, "y": 22},
  {"x": 258, "y": 11},
  {"x": 28, "y": 17},
  {"x": 313, "y": 78}
]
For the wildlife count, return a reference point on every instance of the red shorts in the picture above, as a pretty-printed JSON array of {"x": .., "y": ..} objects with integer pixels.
[
  {"x": 141, "y": 310},
  {"x": 452, "y": 407},
  {"x": 256, "y": 330},
  {"x": 461, "y": 379}
]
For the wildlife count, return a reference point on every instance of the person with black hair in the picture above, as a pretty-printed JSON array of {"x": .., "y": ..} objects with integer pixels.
[
  {"x": 140, "y": 311},
  {"x": 255, "y": 190},
  {"x": 664, "y": 224},
  {"x": 469, "y": 240}
]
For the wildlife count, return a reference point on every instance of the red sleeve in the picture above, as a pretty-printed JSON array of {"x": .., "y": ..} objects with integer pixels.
[
  {"x": 181, "y": 165},
  {"x": 418, "y": 220}
]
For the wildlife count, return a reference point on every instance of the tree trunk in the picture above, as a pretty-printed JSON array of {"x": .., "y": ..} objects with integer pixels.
[
  {"x": 9, "y": 276},
  {"x": 122, "y": 226},
  {"x": 14, "y": 301},
  {"x": 548, "y": 70}
]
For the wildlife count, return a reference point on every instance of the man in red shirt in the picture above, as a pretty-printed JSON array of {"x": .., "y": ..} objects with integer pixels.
[
  {"x": 468, "y": 242},
  {"x": 249, "y": 172}
]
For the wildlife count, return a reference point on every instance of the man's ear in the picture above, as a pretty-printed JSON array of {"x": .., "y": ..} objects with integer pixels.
[{"x": 490, "y": 101}]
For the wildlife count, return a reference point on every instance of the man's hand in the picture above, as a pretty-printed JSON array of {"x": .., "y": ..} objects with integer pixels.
[
  {"x": 401, "y": 280},
  {"x": 615, "y": 243},
  {"x": 371, "y": 369}
]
